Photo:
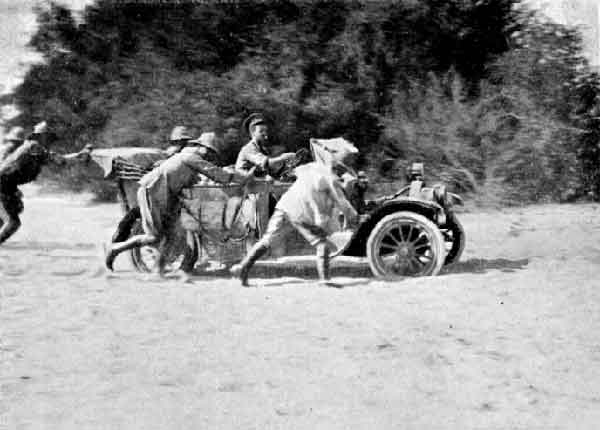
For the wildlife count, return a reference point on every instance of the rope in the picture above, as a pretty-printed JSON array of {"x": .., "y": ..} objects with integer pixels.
[{"x": 127, "y": 170}]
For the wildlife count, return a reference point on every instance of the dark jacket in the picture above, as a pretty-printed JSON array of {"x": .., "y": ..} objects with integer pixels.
[{"x": 24, "y": 164}]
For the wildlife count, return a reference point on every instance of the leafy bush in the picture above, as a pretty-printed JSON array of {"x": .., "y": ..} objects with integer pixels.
[{"x": 499, "y": 103}]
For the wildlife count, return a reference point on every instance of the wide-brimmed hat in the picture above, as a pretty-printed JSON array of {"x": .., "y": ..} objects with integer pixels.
[
  {"x": 208, "y": 140},
  {"x": 15, "y": 134},
  {"x": 180, "y": 132},
  {"x": 253, "y": 120}
]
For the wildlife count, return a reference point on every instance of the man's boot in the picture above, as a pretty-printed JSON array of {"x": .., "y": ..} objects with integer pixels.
[
  {"x": 8, "y": 227},
  {"x": 109, "y": 256},
  {"x": 323, "y": 267},
  {"x": 323, "y": 259},
  {"x": 242, "y": 269}
]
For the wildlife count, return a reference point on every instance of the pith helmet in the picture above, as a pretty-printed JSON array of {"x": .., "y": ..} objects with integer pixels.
[
  {"x": 252, "y": 120},
  {"x": 40, "y": 127},
  {"x": 15, "y": 134},
  {"x": 208, "y": 140},
  {"x": 180, "y": 132}
]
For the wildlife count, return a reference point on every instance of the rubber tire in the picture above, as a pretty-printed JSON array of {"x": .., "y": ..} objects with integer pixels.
[
  {"x": 190, "y": 254},
  {"x": 458, "y": 247},
  {"x": 434, "y": 232}
]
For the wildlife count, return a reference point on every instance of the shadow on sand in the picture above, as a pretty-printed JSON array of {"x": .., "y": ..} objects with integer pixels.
[
  {"x": 285, "y": 274},
  {"x": 289, "y": 274},
  {"x": 310, "y": 272},
  {"x": 481, "y": 265}
]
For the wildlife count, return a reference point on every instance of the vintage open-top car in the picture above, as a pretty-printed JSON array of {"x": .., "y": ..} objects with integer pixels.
[{"x": 413, "y": 232}]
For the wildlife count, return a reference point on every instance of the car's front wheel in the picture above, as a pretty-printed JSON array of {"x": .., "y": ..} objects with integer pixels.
[{"x": 405, "y": 244}]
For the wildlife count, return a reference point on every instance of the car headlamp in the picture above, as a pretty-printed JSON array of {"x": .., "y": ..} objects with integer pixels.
[{"x": 415, "y": 172}]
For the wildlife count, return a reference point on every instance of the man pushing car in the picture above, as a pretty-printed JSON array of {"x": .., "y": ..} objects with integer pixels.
[
  {"x": 310, "y": 206},
  {"x": 159, "y": 195}
]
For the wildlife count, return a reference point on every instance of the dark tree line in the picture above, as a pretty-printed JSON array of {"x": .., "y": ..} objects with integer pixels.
[{"x": 495, "y": 101}]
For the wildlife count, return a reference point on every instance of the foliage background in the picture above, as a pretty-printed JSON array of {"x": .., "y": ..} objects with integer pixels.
[{"x": 497, "y": 102}]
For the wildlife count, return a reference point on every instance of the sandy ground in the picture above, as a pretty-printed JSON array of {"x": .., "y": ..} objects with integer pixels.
[{"x": 508, "y": 339}]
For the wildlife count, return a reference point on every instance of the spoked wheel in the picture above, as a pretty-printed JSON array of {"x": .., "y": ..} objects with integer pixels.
[
  {"x": 454, "y": 238},
  {"x": 182, "y": 255},
  {"x": 405, "y": 244}
]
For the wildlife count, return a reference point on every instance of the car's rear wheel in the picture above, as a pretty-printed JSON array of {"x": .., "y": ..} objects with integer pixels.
[
  {"x": 405, "y": 244},
  {"x": 182, "y": 255}
]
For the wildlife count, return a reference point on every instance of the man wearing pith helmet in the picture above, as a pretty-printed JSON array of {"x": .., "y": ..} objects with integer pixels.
[
  {"x": 158, "y": 196},
  {"x": 257, "y": 153},
  {"x": 207, "y": 145}
]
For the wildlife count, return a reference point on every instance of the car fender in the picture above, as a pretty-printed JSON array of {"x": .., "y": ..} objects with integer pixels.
[{"x": 357, "y": 245}]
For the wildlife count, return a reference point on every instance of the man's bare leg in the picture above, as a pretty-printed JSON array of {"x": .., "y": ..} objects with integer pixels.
[
  {"x": 133, "y": 242},
  {"x": 161, "y": 261},
  {"x": 323, "y": 260}
]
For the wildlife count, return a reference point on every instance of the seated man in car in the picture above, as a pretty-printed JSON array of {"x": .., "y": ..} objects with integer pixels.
[{"x": 258, "y": 152}]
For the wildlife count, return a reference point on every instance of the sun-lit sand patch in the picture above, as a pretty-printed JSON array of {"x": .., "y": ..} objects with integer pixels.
[{"x": 506, "y": 338}]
